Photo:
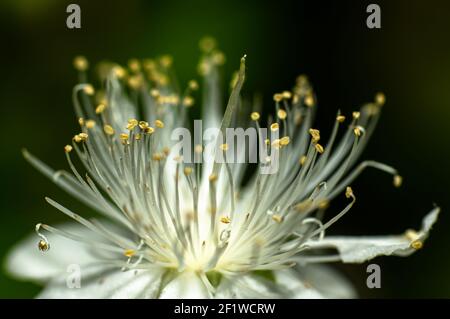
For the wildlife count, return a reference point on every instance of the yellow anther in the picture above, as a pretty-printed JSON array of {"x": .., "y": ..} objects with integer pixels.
[
  {"x": 357, "y": 131},
  {"x": 267, "y": 141},
  {"x": 159, "y": 124},
  {"x": 204, "y": 67},
  {"x": 135, "y": 82},
  {"x": 340, "y": 118},
  {"x": 286, "y": 95},
  {"x": 225, "y": 220},
  {"x": 187, "y": 170},
  {"x": 166, "y": 60},
  {"x": 193, "y": 85},
  {"x": 254, "y": 116},
  {"x": 212, "y": 177},
  {"x": 276, "y": 144},
  {"x": 129, "y": 253},
  {"x": 143, "y": 124},
  {"x": 278, "y": 97},
  {"x": 43, "y": 245},
  {"x": 124, "y": 136},
  {"x": 100, "y": 108},
  {"x": 315, "y": 134},
  {"x": 119, "y": 72},
  {"x": 108, "y": 129},
  {"x": 80, "y": 63},
  {"x": 132, "y": 123},
  {"x": 157, "y": 156},
  {"x": 380, "y": 99},
  {"x": 319, "y": 148},
  {"x": 81, "y": 121},
  {"x": 149, "y": 130},
  {"x": 302, "y": 160},
  {"x": 77, "y": 138},
  {"x": 281, "y": 114},
  {"x": 349, "y": 192},
  {"x": 398, "y": 180},
  {"x": 277, "y": 218},
  {"x": 154, "y": 93},
  {"x": 417, "y": 244},
  {"x": 68, "y": 148},
  {"x": 356, "y": 115},
  {"x": 284, "y": 140},
  {"x": 309, "y": 100},
  {"x": 411, "y": 234},
  {"x": 90, "y": 123},
  {"x": 188, "y": 101},
  {"x": 224, "y": 147},
  {"x": 134, "y": 65},
  {"x": 89, "y": 89},
  {"x": 83, "y": 136},
  {"x": 138, "y": 136},
  {"x": 274, "y": 127},
  {"x": 303, "y": 206}
]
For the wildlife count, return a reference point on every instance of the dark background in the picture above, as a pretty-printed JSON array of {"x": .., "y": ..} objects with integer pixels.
[{"x": 408, "y": 59}]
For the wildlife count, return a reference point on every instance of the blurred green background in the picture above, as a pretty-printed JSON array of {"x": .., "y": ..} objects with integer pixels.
[{"x": 408, "y": 59}]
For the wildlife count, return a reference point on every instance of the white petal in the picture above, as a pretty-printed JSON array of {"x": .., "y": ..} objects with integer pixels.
[
  {"x": 101, "y": 282},
  {"x": 302, "y": 282},
  {"x": 248, "y": 287},
  {"x": 26, "y": 261},
  {"x": 315, "y": 281},
  {"x": 361, "y": 249},
  {"x": 187, "y": 285}
]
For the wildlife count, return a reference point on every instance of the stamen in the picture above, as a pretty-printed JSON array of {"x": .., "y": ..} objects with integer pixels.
[
  {"x": 80, "y": 63},
  {"x": 274, "y": 127},
  {"x": 340, "y": 118},
  {"x": 398, "y": 180},
  {"x": 43, "y": 244},
  {"x": 108, "y": 129},
  {"x": 315, "y": 134},
  {"x": 159, "y": 124},
  {"x": 319, "y": 148},
  {"x": 277, "y": 218},
  {"x": 380, "y": 99},
  {"x": 255, "y": 116},
  {"x": 281, "y": 114},
  {"x": 225, "y": 220},
  {"x": 277, "y": 97},
  {"x": 100, "y": 108},
  {"x": 68, "y": 148}
]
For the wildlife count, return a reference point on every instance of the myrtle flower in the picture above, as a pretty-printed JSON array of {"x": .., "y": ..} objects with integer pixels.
[{"x": 174, "y": 229}]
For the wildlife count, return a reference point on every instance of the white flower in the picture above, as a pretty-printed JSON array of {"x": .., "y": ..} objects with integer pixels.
[{"x": 176, "y": 230}]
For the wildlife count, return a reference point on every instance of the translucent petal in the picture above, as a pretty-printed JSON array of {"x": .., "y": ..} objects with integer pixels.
[{"x": 361, "y": 249}]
